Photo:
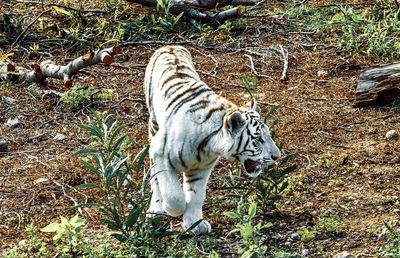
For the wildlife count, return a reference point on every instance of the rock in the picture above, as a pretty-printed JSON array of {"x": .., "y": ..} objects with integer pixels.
[
  {"x": 14, "y": 122},
  {"x": 3, "y": 146},
  {"x": 8, "y": 100},
  {"x": 344, "y": 254},
  {"x": 305, "y": 252},
  {"x": 59, "y": 137},
  {"x": 291, "y": 89},
  {"x": 395, "y": 160},
  {"x": 392, "y": 134},
  {"x": 322, "y": 73},
  {"x": 141, "y": 74},
  {"x": 295, "y": 237}
]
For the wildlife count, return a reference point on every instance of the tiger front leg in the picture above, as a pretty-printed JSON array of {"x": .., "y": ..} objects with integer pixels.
[
  {"x": 194, "y": 186},
  {"x": 156, "y": 199},
  {"x": 166, "y": 186}
]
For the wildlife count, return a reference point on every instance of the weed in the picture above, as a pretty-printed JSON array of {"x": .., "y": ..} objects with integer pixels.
[
  {"x": 34, "y": 246},
  {"x": 328, "y": 224},
  {"x": 251, "y": 245},
  {"x": 125, "y": 203},
  {"x": 78, "y": 96},
  {"x": 392, "y": 246},
  {"x": 306, "y": 234},
  {"x": 68, "y": 235}
]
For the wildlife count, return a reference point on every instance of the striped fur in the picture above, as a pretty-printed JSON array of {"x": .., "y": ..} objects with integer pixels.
[{"x": 190, "y": 127}]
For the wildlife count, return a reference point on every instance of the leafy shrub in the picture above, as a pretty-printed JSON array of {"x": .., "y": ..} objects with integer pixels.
[
  {"x": 33, "y": 246},
  {"x": 68, "y": 237},
  {"x": 250, "y": 245},
  {"x": 125, "y": 203},
  {"x": 373, "y": 31},
  {"x": 78, "y": 96},
  {"x": 392, "y": 246}
]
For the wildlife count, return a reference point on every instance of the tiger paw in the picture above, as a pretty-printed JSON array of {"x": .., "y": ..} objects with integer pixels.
[
  {"x": 202, "y": 228},
  {"x": 152, "y": 213}
]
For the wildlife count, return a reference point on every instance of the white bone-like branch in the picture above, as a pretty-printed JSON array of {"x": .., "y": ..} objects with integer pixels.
[{"x": 48, "y": 69}]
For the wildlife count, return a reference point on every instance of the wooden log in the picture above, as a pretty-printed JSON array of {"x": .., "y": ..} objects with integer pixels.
[
  {"x": 197, "y": 9},
  {"x": 378, "y": 86}
]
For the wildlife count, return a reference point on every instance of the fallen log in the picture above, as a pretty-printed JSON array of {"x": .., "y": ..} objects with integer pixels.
[
  {"x": 197, "y": 9},
  {"x": 48, "y": 69},
  {"x": 378, "y": 86}
]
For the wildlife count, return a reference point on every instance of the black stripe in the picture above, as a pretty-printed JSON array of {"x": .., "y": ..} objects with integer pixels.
[
  {"x": 240, "y": 141},
  {"x": 192, "y": 180},
  {"x": 180, "y": 96},
  {"x": 180, "y": 156},
  {"x": 187, "y": 99},
  {"x": 204, "y": 143},
  {"x": 170, "y": 162},
  {"x": 212, "y": 111},
  {"x": 181, "y": 84}
]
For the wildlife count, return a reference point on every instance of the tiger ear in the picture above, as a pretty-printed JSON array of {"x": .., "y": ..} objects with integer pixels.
[
  {"x": 235, "y": 122},
  {"x": 251, "y": 105}
]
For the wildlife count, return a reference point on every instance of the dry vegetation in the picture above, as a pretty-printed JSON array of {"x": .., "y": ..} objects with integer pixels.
[{"x": 348, "y": 171}]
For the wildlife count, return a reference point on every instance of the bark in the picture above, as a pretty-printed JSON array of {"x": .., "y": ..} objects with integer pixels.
[
  {"x": 48, "y": 69},
  {"x": 378, "y": 86}
]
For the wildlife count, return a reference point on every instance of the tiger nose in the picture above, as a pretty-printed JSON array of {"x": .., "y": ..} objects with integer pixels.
[{"x": 275, "y": 156}]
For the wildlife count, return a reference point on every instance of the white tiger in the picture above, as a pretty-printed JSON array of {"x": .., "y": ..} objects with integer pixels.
[{"x": 190, "y": 127}]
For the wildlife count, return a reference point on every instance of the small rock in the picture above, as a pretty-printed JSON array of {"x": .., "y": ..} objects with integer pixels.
[
  {"x": 14, "y": 122},
  {"x": 395, "y": 160},
  {"x": 305, "y": 252},
  {"x": 3, "y": 146},
  {"x": 59, "y": 137},
  {"x": 287, "y": 243},
  {"x": 392, "y": 134},
  {"x": 295, "y": 237},
  {"x": 344, "y": 254},
  {"x": 141, "y": 74},
  {"x": 291, "y": 89},
  {"x": 8, "y": 100},
  {"x": 322, "y": 73}
]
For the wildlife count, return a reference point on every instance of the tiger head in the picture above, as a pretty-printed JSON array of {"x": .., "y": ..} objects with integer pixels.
[{"x": 249, "y": 139}]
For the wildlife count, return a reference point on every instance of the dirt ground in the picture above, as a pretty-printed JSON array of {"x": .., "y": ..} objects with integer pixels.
[{"x": 346, "y": 166}]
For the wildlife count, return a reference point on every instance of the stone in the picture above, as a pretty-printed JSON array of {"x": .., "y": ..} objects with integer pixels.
[
  {"x": 344, "y": 254},
  {"x": 305, "y": 252},
  {"x": 3, "y": 146},
  {"x": 8, "y": 100},
  {"x": 392, "y": 134},
  {"x": 395, "y": 160},
  {"x": 295, "y": 237},
  {"x": 322, "y": 73},
  {"x": 59, "y": 137},
  {"x": 14, "y": 122}
]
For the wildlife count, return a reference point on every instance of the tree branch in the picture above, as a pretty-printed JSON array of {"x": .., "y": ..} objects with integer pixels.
[{"x": 48, "y": 69}]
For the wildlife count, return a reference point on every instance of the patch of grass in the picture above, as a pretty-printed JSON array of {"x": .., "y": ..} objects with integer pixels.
[
  {"x": 391, "y": 248},
  {"x": 374, "y": 31},
  {"x": 80, "y": 96}
]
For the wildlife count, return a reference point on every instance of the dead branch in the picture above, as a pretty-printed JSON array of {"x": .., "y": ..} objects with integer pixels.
[
  {"x": 20, "y": 36},
  {"x": 48, "y": 69},
  {"x": 197, "y": 9}
]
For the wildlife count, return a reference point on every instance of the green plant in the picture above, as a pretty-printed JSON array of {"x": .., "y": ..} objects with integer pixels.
[
  {"x": 392, "y": 246},
  {"x": 328, "y": 224},
  {"x": 250, "y": 245},
  {"x": 250, "y": 85},
  {"x": 33, "y": 246},
  {"x": 306, "y": 234},
  {"x": 68, "y": 235},
  {"x": 78, "y": 96}
]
